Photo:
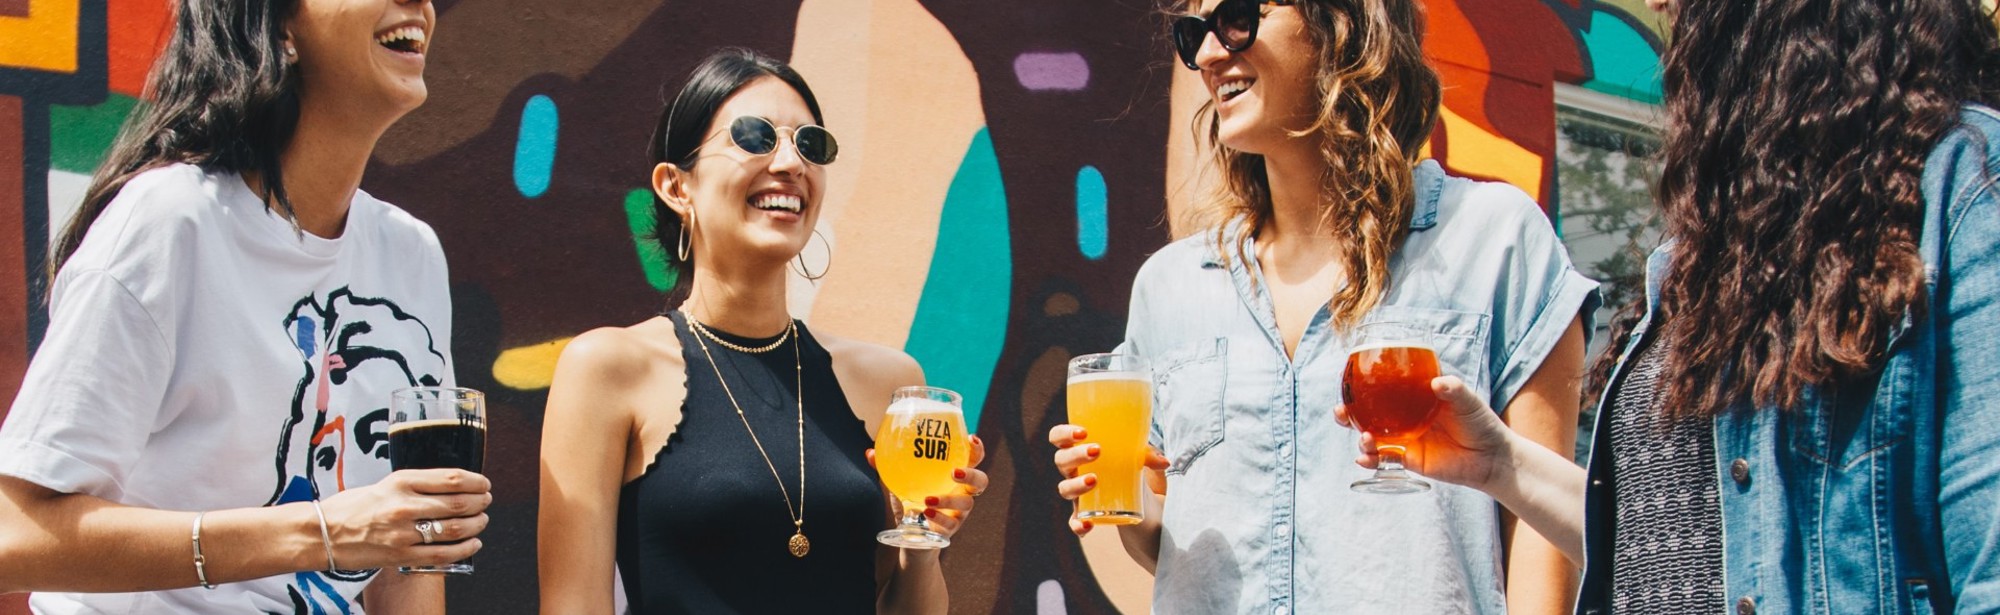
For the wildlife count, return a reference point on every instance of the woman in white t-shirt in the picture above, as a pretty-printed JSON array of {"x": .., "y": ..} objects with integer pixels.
[{"x": 229, "y": 313}]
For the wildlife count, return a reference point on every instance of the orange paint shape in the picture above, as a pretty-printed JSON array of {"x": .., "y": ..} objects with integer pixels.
[
  {"x": 45, "y": 40},
  {"x": 1473, "y": 149},
  {"x": 137, "y": 31}
]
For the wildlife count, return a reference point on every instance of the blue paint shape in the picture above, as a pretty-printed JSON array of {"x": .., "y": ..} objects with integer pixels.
[
  {"x": 535, "y": 148},
  {"x": 1623, "y": 62},
  {"x": 1062, "y": 71},
  {"x": 961, "y": 320},
  {"x": 1093, "y": 224},
  {"x": 305, "y": 331}
]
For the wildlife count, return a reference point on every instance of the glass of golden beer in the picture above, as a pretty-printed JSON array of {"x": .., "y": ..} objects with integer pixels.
[
  {"x": 1111, "y": 398},
  {"x": 1387, "y": 389},
  {"x": 919, "y": 445}
]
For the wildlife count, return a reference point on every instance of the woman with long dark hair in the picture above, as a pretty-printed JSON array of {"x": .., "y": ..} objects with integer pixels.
[
  {"x": 1805, "y": 420},
  {"x": 718, "y": 454},
  {"x": 202, "y": 429},
  {"x": 1327, "y": 219}
]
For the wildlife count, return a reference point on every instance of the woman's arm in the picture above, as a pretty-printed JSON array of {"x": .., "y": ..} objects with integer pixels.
[
  {"x": 586, "y": 431},
  {"x": 1540, "y": 579},
  {"x": 53, "y": 541},
  {"x": 405, "y": 594}
]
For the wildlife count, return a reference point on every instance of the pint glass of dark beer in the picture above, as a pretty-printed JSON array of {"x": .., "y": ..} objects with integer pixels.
[
  {"x": 1387, "y": 389},
  {"x": 437, "y": 427}
]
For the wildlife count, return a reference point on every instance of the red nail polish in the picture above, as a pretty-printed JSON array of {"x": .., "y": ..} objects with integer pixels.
[
  {"x": 1090, "y": 481},
  {"x": 1095, "y": 450},
  {"x": 1086, "y": 525},
  {"x": 931, "y": 501},
  {"x": 930, "y": 512},
  {"x": 958, "y": 474}
]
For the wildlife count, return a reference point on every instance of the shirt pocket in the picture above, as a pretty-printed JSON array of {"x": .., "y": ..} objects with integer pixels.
[
  {"x": 1188, "y": 388},
  {"x": 1458, "y": 337}
]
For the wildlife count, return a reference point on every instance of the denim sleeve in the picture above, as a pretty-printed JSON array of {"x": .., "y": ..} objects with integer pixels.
[
  {"x": 1543, "y": 293},
  {"x": 1969, "y": 458}
]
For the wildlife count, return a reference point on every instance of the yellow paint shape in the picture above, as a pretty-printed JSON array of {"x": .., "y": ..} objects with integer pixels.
[
  {"x": 529, "y": 368},
  {"x": 1129, "y": 586},
  {"x": 885, "y": 72},
  {"x": 45, "y": 40},
  {"x": 1474, "y": 150}
]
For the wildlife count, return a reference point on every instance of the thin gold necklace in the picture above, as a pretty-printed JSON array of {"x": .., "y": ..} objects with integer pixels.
[{"x": 798, "y": 545}]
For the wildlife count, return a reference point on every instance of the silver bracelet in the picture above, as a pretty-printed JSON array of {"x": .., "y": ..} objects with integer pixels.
[
  {"x": 200, "y": 562},
  {"x": 325, "y": 538}
]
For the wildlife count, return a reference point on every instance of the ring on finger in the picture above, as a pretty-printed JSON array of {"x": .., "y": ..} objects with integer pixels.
[{"x": 429, "y": 529}]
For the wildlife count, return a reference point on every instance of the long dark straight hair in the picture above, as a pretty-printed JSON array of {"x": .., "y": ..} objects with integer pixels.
[
  {"x": 222, "y": 96},
  {"x": 1796, "y": 139},
  {"x": 684, "y": 121}
]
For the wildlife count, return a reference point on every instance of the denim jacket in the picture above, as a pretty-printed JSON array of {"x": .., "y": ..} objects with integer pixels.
[
  {"x": 1880, "y": 495},
  {"x": 1259, "y": 517}
]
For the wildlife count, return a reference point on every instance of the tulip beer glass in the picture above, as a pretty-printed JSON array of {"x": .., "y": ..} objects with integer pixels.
[
  {"x": 921, "y": 442},
  {"x": 1387, "y": 389}
]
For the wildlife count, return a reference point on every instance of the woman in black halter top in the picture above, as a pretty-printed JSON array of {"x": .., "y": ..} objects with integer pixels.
[{"x": 719, "y": 454}]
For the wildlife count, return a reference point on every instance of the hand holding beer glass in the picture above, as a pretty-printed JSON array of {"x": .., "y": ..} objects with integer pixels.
[
  {"x": 1387, "y": 391},
  {"x": 1111, "y": 398},
  {"x": 437, "y": 427},
  {"x": 920, "y": 445}
]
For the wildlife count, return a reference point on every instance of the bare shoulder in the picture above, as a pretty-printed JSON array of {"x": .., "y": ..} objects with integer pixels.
[
  {"x": 869, "y": 373},
  {"x": 608, "y": 367}
]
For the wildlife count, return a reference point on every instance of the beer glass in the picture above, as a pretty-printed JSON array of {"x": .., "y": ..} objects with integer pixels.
[
  {"x": 437, "y": 427},
  {"x": 920, "y": 444},
  {"x": 1111, "y": 398},
  {"x": 1387, "y": 389}
]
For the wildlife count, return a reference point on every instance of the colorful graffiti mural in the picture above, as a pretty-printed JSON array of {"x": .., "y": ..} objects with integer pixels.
[{"x": 1005, "y": 169}]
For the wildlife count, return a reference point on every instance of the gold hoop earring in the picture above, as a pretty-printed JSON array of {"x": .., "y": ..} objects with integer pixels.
[
  {"x": 681, "y": 246},
  {"x": 801, "y": 260}
]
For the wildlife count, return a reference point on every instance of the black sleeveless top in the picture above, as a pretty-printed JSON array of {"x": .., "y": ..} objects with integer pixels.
[{"x": 705, "y": 529}]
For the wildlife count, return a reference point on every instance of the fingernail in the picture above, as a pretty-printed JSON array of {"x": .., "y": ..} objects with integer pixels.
[
  {"x": 958, "y": 474},
  {"x": 978, "y": 442},
  {"x": 930, "y": 512},
  {"x": 1087, "y": 525},
  {"x": 1072, "y": 472},
  {"x": 931, "y": 501},
  {"x": 1090, "y": 481},
  {"x": 1095, "y": 449},
  {"x": 1080, "y": 434}
]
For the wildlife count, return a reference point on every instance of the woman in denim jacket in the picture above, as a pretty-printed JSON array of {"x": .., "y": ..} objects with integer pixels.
[
  {"x": 1806, "y": 420},
  {"x": 1316, "y": 122}
]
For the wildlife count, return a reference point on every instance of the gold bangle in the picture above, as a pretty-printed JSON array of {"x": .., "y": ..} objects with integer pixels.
[
  {"x": 200, "y": 562},
  {"x": 325, "y": 538}
]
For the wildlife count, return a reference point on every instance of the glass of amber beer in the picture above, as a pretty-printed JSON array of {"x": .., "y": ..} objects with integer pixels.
[
  {"x": 1387, "y": 389},
  {"x": 1111, "y": 398},
  {"x": 921, "y": 442},
  {"x": 437, "y": 427}
]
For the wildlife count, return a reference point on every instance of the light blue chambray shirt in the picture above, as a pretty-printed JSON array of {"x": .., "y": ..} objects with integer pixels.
[{"x": 1259, "y": 517}]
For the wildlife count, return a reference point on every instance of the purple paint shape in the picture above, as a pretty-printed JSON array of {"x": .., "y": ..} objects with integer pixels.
[
  {"x": 1052, "y": 71},
  {"x": 13, "y": 8}
]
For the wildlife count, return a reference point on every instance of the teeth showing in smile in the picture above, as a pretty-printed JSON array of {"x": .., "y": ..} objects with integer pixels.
[
  {"x": 778, "y": 202},
  {"x": 409, "y": 39},
  {"x": 1229, "y": 90}
]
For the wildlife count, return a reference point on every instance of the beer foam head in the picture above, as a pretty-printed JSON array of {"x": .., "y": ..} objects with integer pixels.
[
  {"x": 419, "y": 424},
  {"x": 1096, "y": 376},
  {"x": 1383, "y": 345},
  {"x": 916, "y": 405}
]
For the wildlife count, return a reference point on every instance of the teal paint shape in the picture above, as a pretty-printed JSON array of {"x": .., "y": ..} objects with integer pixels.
[
  {"x": 961, "y": 321},
  {"x": 645, "y": 225},
  {"x": 80, "y": 136},
  {"x": 1093, "y": 225},
  {"x": 535, "y": 147},
  {"x": 1624, "y": 63}
]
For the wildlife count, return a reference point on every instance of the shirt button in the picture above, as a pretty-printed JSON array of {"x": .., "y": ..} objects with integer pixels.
[
  {"x": 1281, "y": 610},
  {"x": 1740, "y": 470},
  {"x": 1746, "y": 606}
]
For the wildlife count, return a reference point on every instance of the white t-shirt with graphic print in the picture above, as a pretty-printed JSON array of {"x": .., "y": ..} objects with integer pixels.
[{"x": 202, "y": 354}]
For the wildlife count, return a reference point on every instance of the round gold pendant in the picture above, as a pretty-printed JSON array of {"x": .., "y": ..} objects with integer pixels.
[{"x": 800, "y": 545}]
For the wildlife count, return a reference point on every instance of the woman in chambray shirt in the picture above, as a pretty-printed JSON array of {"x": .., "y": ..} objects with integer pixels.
[
  {"x": 1326, "y": 220},
  {"x": 1806, "y": 420}
]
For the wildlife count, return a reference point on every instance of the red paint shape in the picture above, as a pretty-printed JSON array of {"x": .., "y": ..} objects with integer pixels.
[
  {"x": 13, "y": 8},
  {"x": 138, "y": 30},
  {"x": 13, "y": 261}
]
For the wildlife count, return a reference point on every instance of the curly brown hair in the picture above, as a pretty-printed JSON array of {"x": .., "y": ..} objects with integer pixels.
[
  {"x": 1378, "y": 103},
  {"x": 1797, "y": 132}
]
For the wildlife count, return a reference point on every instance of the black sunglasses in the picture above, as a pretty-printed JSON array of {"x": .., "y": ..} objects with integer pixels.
[
  {"x": 1234, "y": 23},
  {"x": 758, "y": 136}
]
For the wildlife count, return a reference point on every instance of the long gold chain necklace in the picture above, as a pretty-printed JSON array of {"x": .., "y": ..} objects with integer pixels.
[{"x": 798, "y": 545}]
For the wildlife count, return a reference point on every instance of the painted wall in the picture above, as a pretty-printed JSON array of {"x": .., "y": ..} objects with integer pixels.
[{"x": 1005, "y": 169}]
